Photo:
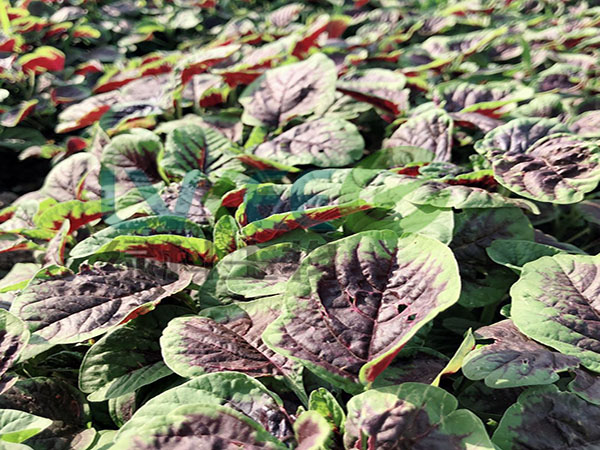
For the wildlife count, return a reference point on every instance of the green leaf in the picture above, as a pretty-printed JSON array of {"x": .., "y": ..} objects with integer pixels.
[
  {"x": 127, "y": 358},
  {"x": 184, "y": 151},
  {"x": 18, "y": 426}
]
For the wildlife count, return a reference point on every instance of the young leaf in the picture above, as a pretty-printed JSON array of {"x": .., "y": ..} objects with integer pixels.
[{"x": 312, "y": 431}]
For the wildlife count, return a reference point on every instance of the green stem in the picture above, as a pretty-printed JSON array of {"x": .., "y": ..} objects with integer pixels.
[
  {"x": 4, "y": 20},
  {"x": 488, "y": 313},
  {"x": 577, "y": 236}
]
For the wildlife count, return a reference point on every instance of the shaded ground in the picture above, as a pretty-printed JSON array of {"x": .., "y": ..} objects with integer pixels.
[{"x": 20, "y": 177}]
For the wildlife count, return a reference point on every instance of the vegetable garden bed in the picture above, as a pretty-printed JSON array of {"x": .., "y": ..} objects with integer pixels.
[{"x": 317, "y": 225}]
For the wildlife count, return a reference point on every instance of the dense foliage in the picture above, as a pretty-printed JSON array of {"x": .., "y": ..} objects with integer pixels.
[{"x": 316, "y": 225}]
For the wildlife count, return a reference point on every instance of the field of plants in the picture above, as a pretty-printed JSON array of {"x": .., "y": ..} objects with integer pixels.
[{"x": 328, "y": 224}]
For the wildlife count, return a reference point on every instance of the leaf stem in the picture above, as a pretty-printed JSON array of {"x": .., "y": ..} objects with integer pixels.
[
  {"x": 488, "y": 313},
  {"x": 577, "y": 235}
]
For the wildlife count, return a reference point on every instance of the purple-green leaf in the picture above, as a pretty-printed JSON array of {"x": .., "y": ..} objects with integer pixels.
[
  {"x": 224, "y": 338},
  {"x": 322, "y": 143},
  {"x": 61, "y": 307},
  {"x": 354, "y": 303},
  {"x": 545, "y": 418},
  {"x": 58, "y": 401},
  {"x": 13, "y": 338},
  {"x": 555, "y": 302},
  {"x": 513, "y": 360},
  {"x": 237, "y": 391},
  {"x": 431, "y": 130},
  {"x": 288, "y": 91},
  {"x": 412, "y": 415}
]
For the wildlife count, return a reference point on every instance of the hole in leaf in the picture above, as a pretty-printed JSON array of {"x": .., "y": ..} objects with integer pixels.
[
  {"x": 411, "y": 317},
  {"x": 401, "y": 308}
]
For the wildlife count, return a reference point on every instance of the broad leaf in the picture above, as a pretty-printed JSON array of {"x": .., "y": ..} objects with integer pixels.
[
  {"x": 380, "y": 87},
  {"x": 475, "y": 229},
  {"x": 201, "y": 426},
  {"x": 13, "y": 338},
  {"x": 518, "y": 135},
  {"x": 545, "y": 418},
  {"x": 42, "y": 59},
  {"x": 322, "y": 143},
  {"x": 489, "y": 99},
  {"x": 288, "y": 91},
  {"x": 513, "y": 360},
  {"x": 55, "y": 400},
  {"x": 235, "y": 390},
  {"x": 560, "y": 169},
  {"x": 18, "y": 426},
  {"x": 144, "y": 226},
  {"x": 185, "y": 150},
  {"x": 515, "y": 253},
  {"x": 445, "y": 195},
  {"x": 224, "y": 338},
  {"x": 586, "y": 386},
  {"x": 127, "y": 358},
  {"x": 377, "y": 291},
  {"x": 430, "y": 130},
  {"x": 555, "y": 303},
  {"x": 131, "y": 158},
  {"x": 61, "y": 307},
  {"x": 63, "y": 181},
  {"x": 412, "y": 415},
  {"x": 165, "y": 248},
  {"x": 252, "y": 272},
  {"x": 76, "y": 212},
  {"x": 277, "y": 224}
]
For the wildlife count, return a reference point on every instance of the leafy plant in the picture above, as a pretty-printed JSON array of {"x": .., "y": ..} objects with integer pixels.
[{"x": 335, "y": 224}]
